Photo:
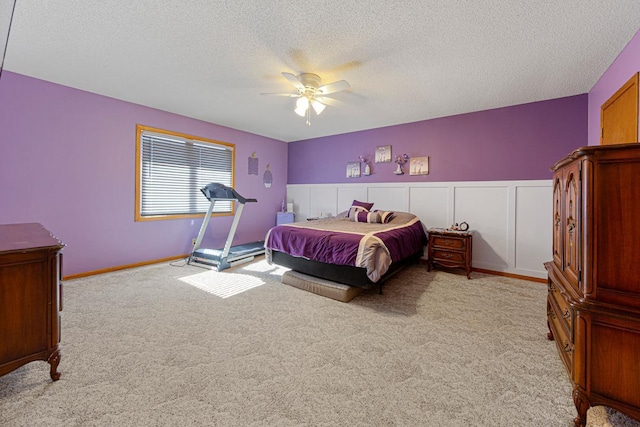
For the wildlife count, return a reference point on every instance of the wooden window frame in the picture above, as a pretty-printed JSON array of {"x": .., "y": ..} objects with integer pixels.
[{"x": 140, "y": 129}]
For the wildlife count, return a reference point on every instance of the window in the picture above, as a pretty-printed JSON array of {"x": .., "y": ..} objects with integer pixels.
[{"x": 170, "y": 170}]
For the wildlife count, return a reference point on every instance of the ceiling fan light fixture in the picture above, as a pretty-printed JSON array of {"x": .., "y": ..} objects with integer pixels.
[
  {"x": 311, "y": 94},
  {"x": 302, "y": 104},
  {"x": 318, "y": 106}
]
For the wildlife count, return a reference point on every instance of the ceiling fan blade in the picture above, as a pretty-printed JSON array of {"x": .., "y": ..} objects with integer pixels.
[
  {"x": 291, "y": 95},
  {"x": 294, "y": 81},
  {"x": 334, "y": 87},
  {"x": 328, "y": 101}
]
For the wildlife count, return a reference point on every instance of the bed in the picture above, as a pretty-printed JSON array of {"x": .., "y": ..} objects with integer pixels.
[{"x": 359, "y": 248}]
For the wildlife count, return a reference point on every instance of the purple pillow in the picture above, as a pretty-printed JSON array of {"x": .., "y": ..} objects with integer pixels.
[
  {"x": 354, "y": 210},
  {"x": 365, "y": 205}
]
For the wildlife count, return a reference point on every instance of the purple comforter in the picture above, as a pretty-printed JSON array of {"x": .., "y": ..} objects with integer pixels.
[{"x": 344, "y": 242}]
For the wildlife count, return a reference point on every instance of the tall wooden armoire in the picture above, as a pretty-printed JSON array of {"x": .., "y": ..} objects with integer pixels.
[{"x": 593, "y": 305}]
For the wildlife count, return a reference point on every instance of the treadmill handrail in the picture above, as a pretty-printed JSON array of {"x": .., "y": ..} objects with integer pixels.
[{"x": 217, "y": 191}]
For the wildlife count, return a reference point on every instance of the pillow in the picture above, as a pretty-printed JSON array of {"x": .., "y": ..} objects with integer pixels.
[
  {"x": 364, "y": 216},
  {"x": 385, "y": 216},
  {"x": 354, "y": 210},
  {"x": 365, "y": 205}
]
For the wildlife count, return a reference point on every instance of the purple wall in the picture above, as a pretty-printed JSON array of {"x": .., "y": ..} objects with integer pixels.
[
  {"x": 625, "y": 66},
  {"x": 511, "y": 143},
  {"x": 67, "y": 160}
]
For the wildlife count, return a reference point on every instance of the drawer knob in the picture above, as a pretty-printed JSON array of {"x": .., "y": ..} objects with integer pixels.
[
  {"x": 447, "y": 255},
  {"x": 566, "y": 314}
]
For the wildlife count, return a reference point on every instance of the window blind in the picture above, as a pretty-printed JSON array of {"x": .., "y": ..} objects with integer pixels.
[{"x": 173, "y": 169}]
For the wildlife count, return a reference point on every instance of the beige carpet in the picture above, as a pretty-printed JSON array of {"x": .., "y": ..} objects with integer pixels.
[{"x": 183, "y": 346}]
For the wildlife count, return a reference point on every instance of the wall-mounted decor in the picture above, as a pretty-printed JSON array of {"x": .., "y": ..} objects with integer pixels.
[
  {"x": 400, "y": 161},
  {"x": 383, "y": 154},
  {"x": 267, "y": 178},
  {"x": 367, "y": 167},
  {"x": 353, "y": 170},
  {"x": 253, "y": 164},
  {"x": 419, "y": 166}
]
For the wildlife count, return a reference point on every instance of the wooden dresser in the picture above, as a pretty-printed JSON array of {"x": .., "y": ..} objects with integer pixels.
[
  {"x": 593, "y": 304},
  {"x": 30, "y": 297}
]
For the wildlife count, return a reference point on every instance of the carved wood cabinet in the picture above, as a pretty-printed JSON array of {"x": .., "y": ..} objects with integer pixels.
[
  {"x": 593, "y": 303},
  {"x": 30, "y": 297}
]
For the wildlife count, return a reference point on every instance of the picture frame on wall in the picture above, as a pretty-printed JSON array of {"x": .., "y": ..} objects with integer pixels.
[
  {"x": 419, "y": 165},
  {"x": 383, "y": 154},
  {"x": 353, "y": 170}
]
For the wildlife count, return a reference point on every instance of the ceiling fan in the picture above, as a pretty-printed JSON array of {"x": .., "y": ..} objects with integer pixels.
[{"x": 310, "y": 94}]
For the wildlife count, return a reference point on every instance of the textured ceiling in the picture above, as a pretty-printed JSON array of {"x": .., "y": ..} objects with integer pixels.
[{"x": 405, "y": 60}]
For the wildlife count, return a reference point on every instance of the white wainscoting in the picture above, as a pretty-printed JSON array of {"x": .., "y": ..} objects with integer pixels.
[{"x": 511, "y": 220}]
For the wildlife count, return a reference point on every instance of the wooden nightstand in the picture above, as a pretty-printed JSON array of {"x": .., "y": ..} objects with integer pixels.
[{"x": 450, "y": 249}]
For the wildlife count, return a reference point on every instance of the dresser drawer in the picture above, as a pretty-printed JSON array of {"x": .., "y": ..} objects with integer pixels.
[
  {"x": 564, "y": 310},
  {"x": 560, "y": 334},
  {"x": 449, "y": 242}
]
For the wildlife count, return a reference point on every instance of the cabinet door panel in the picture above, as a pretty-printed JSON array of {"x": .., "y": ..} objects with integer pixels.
[
  {"x": 24, "y": 320},
  {"x": 571, "y": 194},
  {"x": 614, "y": 371},
  {"x": 557, "y": 219},
  {"x": 618, "y": 228}
]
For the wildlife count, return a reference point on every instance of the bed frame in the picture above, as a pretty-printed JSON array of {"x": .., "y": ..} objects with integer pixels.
[{"x": 346, "y": 274}]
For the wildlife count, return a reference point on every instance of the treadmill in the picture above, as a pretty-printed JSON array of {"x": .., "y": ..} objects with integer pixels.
[{"x": 229, "y": 255}]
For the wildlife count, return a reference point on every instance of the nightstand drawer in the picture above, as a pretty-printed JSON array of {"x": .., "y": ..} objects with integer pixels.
[
  {"x": 448, "y": 242},
  {"x": 457, "y": 257}
]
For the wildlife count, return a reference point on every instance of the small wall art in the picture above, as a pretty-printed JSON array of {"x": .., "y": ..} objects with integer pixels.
[
  {"x": 419, "y": 166},
  {"x": 353, "y": 170},
  {"x": 367, "y": 166},
  {"x": 253, "y": 164},
  {"x": 267, "y": 178},
  {"x": 401, "y": 161},
  {"x": 383, "y": 154}
]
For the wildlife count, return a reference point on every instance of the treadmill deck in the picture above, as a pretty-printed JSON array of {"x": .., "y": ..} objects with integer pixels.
[{"x": 236, "y": 252}]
